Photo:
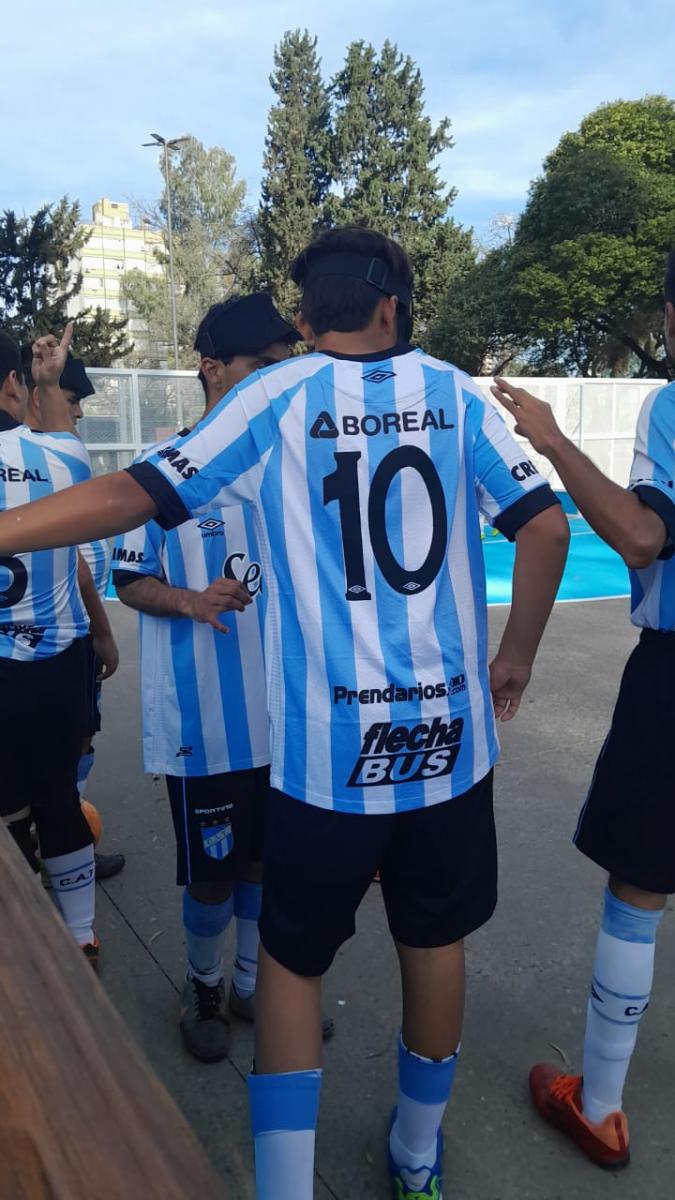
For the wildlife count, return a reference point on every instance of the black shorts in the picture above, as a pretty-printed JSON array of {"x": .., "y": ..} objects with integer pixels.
[
  {"x": 438, "y": 869},
  {"x": 41, "y": 722},
  {"x": 219, "y": 821},
  {"x": 92, "y": 694},
  {"x": 627, "y": 824}
]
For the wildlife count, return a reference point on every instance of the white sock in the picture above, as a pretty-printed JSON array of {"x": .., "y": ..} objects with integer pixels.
[
  {"x": 205, "y": 926},
  {"x": 247, "y": 899},
  {"x": 424, "y": 1089},
  {"x": 73, "y": 880},
  {"x": 622, "y": 980}
]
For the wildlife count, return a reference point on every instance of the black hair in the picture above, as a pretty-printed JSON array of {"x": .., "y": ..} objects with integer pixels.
[
  {"x": 341, "y": 303},
  {"x": 669, "y": 282},
  {"x": 27, "y": 363},
  {"x": 10, "y": 357}
]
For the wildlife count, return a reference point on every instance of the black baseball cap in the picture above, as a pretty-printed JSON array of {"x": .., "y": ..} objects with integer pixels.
[
  {"x": 75, "y": 379},
  {"x": 242, "y": 326}
]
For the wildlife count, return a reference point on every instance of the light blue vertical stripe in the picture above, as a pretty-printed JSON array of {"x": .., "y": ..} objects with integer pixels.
[
  {"x": 185, "y": 671},
  {"x": 338, "y": 641},
  {"x": 228, "y": 656},
  {"x": 392, "y": 606}
]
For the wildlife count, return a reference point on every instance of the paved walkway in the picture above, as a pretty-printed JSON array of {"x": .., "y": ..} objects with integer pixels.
[{"x": 529, "y": 967}]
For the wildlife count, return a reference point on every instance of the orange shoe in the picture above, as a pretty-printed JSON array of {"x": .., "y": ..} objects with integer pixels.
[
  {"x": 91, "y": 952},
  {"x": 558, "y": 1099}
]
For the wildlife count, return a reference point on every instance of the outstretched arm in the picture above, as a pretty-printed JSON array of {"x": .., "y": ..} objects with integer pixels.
[
  {"x": 619, "y": 516},
  {"x": 96, "y": 509}
]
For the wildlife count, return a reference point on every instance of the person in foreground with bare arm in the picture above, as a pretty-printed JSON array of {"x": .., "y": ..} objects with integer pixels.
[
  {"x": 366, "y": 464},
  {"x": 627, "y": 824}
]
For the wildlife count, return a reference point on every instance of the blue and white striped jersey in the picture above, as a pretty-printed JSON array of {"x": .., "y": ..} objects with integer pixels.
[
  {"x": 366, "y": 479},
  {"x": 203, "y": 692},
  {"x": 652, "y": 475},
  {"x": 98, "y": 557},
  {"x": 41, "y": 610}
]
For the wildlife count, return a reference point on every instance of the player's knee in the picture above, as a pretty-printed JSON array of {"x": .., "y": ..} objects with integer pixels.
[
  {"x": 637, "y": 897},
  {"x": 212, "y": 892}
]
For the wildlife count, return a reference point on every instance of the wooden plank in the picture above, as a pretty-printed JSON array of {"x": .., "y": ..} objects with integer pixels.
[{"x": 82, "y": 1115}]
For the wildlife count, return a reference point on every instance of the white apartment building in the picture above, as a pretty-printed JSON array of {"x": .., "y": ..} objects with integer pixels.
[{"x": 114, "y": 247}]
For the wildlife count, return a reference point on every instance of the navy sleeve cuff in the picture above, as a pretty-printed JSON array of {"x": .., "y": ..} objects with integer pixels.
[
  {"x": 664, "y": 508},
  {"x": 529, "y": 506},
  {"x": 170, "y": 508},
  {"x": 122, "y": 578}
]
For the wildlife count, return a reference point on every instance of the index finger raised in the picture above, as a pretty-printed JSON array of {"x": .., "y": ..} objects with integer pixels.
[{"x": 67, "y": 337}]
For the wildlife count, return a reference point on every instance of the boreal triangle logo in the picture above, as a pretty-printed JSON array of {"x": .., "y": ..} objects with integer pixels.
[{"x": 324, "y": 427}]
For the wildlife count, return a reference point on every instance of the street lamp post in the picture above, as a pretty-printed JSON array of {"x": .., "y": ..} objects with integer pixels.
[{"x": 169, "y": 144}]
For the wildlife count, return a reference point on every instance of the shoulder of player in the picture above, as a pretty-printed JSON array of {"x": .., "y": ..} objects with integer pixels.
[
  {"x": 660, "y": 405},
  {"x": 464, "y": 383},
  {"x": 282, "y": 377}
]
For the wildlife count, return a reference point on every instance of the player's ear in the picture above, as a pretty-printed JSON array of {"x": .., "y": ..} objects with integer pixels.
[
  {"x": 305, "y": 330},
  {"x": 388, "y": 309},
  {"x": 211, "y": 369}
]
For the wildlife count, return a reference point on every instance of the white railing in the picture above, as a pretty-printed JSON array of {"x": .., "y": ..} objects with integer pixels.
[{"x": 133, "y": 409}]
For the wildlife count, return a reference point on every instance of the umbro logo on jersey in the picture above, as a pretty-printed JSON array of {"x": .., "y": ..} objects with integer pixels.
[
  {"x": 378, "y": 375},
  {"x": 406, "y": 753},
  {"x": 211, "y": 527},
  {"x": 371, "y": 424},
  {"x": 324, "y": 427}
]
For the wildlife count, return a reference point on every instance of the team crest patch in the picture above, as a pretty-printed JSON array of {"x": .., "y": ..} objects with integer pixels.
[{"x": 217, "y": 840}]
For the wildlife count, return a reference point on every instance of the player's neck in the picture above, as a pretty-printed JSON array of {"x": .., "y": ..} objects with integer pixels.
[{"x": 367, "y": 341}]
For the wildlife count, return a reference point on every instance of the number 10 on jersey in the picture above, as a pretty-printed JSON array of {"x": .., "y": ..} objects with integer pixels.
[{"x": 342, "y": 485}]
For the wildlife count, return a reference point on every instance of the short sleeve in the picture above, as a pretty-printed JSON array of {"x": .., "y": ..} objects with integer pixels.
[
  {"x": 509, "y": 487},
  {"x": 139, "y": 552},
  {"x": 218, "y": 465},
  {"x": 653, "y": 466}
]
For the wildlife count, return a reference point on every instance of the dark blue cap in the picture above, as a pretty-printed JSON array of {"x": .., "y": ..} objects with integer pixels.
[
  {"x": 242, "y": 326},
  {"x": 75, "y": 379}
]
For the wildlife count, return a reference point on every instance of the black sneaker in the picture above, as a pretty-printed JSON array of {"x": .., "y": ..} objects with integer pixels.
[
  {"x": 107, "y": 865},
  {"x": 204, "y": 1021}
]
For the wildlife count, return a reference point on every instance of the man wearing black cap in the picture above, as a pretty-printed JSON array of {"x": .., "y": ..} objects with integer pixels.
[
  {"x": 205, "y": 723},
  {"x": 75, "y": 386}
]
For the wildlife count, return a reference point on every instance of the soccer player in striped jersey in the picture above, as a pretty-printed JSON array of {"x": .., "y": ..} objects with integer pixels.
[
  {"x": 366, "y": 464},
  {"x": 42, "y": 634},
  {"x": 75, "y": 387},
  {"x": 627, "y": 824},
  {"x": 205, "y": 724}
]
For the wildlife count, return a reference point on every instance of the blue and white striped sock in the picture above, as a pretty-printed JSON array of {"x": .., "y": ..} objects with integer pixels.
[
  {"x": 247, "y": 901},
  {"x": 284, "y": 1113},
  {"x": 205, "y": 926},
  {"x": 424, "y": 1087},
  {"x": 623, "y": 971}
]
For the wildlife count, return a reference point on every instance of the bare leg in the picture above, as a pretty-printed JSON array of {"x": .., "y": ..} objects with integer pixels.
[
  {"x": 433, "y": 998},
  {"x": 288, "y": 1019}
]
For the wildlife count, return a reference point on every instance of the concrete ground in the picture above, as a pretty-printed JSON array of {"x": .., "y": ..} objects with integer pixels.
[{"x": 528, "y": 969}]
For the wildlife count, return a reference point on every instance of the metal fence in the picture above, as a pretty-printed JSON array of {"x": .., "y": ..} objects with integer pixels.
[{"x": 134, "y": 409}]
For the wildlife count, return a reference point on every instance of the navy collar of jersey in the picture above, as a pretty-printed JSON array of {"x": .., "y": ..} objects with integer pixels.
[
  {"x": 7, "y": 422},
  {"x": 374, "y": 356}
]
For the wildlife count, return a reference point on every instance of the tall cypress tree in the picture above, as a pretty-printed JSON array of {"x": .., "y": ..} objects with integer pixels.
[
  {"x": 296, "y": 164},
  {"x": 385, "y": 152}
]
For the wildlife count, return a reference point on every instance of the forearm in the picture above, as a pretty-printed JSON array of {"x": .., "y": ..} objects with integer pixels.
[
  {"x": 539, "y": 565},
  {"x": 150, "y": 595},
  {"x": 99, "y": 625},
  {"x": 55, "y": 414},
  {"x": 617, "y": 515},
  {"x": 99, "y": 508}
]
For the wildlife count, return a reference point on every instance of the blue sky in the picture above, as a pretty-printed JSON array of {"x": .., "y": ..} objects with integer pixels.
[{"x": 83, "y": 84}]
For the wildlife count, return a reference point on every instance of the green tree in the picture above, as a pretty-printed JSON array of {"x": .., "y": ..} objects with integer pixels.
[
  {"x": 296, "y": 165},
  {"x": 588, "y": 256},
  {"x": 475, "y": 321},
  {"x": 39, "y": 281},
  {"x": 210, "y": 249},
  {"x": 385, "y": 151}
]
